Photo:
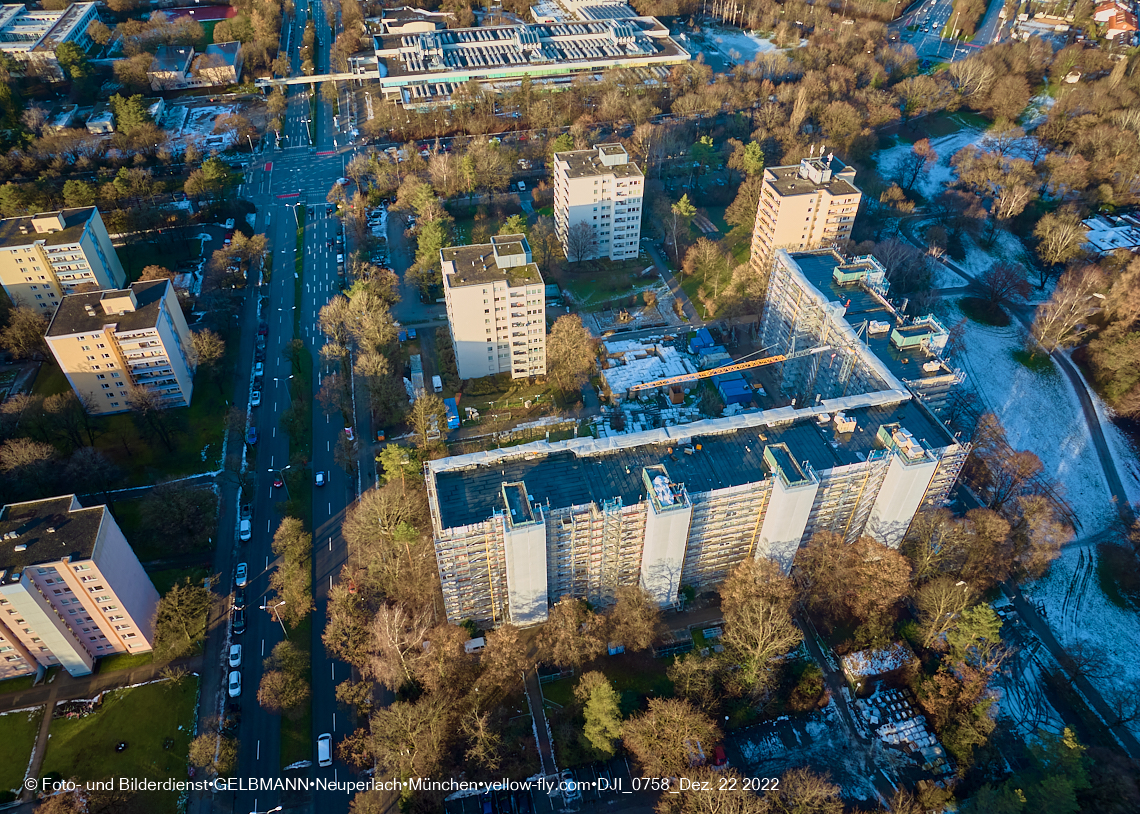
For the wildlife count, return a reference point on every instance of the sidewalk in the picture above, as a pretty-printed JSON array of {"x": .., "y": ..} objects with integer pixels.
[
  {"x": 538, "y": 716},
  {"x": 690, "y": 310}
]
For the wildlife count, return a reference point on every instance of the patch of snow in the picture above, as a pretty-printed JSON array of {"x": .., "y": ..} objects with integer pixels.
[
  {"x": 944, "y": 277},
  {"x": 739, "y": 47},
  {"x": 1040, "y": 413},
  {"x": 877, "y": 662},
  {"x": 1081, "y": 615},
  {"x": 931, "y": 182}
]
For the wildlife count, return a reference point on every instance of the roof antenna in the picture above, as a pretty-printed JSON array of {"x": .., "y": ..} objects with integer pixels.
[{"x": 813, "y": 151}]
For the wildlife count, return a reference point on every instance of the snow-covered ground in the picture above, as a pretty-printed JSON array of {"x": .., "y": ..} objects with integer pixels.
[
  {"x": 738, "y": 47},
  {"x": 931, "y": 182},
  {"x": 946, "y": 278},
  {"x": 1040, "y": 413}
]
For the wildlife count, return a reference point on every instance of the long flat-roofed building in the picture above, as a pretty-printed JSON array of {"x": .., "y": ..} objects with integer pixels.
[
  {"x": 45, "y": 257},
  {"x": 496, "y": 308},
  {"x": 108, "y": 342},
  {"x": 517, "y": 529},
  {"x": 30, "y": 36},
  {"x": 603, "y": 189},
  {"x": 71, "y": 588},
  {"x": 422, "y": 67}
]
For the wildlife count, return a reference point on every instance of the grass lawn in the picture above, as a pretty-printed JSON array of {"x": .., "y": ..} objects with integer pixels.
[
  {"x": 164, "y": 580},
  {"x": 594, "y": 283},
  {"x": 123, "y": 661},
  {"x": 50, "y": 380},
  {"x": 18, "y": 731},
  {"x": 169, "y": 253},
  {"x": 691, "y": 285},
  {"x": 297, "y": 736},
  {"x": 636, "y": 677},
  {"x": 155, "y": 722},
  {"x": 207, "y": 34},
  {"x": 18, "y": 684}
]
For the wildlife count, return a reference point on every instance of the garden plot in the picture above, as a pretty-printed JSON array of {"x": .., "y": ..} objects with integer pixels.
[{"x": 1040, "y": 413}]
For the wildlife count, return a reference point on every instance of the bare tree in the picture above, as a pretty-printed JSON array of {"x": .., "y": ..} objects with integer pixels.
[
  {"x": 1067, "y": 317},
  {"x": 1060, "y": 235},
  {"x": 664, "y": 738},
  {"x": 634, "y": 618},
  {"x": 939, "y": 602},
  {"x": 911, "y": 166},
  {"x": 427, "y": 417},
  {"x": 756, "y": 600},
  {"x": 1002, "y": 283},
  {"x": 580, "y": 242},
  {"x": 570, "y": 354},
  {"x": 572, "y": 635}
]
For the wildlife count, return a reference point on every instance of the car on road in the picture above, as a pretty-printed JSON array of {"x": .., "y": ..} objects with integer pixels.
[
  {"x": 239, "y": 599},
  {"x": 343, "y": 182},
  {"x": 237, "y": 624},
  {"x": 263, "y": 329},
  {"x": 259, "y": 355},
  {"x": 229, "y": 238},
  {"x": 235, "y": 655},
  {"x": 522, "y": 186},
  {"x": 328, "y": 244},
  {"x": 348, "y": 432},
  {"x": 321, "y": 478},
  {"x": 324, "y": 750},
  {"x": 278, "y": 482},
  {"x": 251, "y": 436},
  {"x": 258, "y": 368},
  {"x": 255, "y": 399},
  {"x": 241, "y": 574},
  {"x": 246, "y": 511},
  {"x": 569, "y": 787},
  {"x": 235, "y": 684},
  {"x": 245, "y": 531},
  {"x": 229, "y": 224}
]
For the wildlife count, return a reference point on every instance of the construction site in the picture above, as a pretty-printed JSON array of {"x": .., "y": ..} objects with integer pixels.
[{"x": 830, "y": 422}]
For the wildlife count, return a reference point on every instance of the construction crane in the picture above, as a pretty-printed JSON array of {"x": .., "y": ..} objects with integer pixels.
[{"x": 717, "y": 371}]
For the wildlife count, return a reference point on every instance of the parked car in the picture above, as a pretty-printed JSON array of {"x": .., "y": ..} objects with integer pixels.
[
  {"x": 569, "y": 787},
  {"x": 245, "y": 531},
  {"x": 278, "y": 482},
  {"x": 245, "y": 512},
  {"x": 235, "y": 684},
  {"x": 239, "y": 599},
  {"x": 259, "y": 355},
  {"x": 241, "y": 574},
  {"x": 235, "y": 655},
  {"x": 255, "y": 398},
  {"x": 229, "y": 238},
  {"x": 251, "y": 436},
  {"x": 348, "y": 432},
  {"x": 258, "y": 368},
  {"x": 263, "y": 329},
  {"x": 237, "y": 624}
]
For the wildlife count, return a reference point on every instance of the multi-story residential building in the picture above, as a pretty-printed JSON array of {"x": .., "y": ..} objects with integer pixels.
[
  {"x": 71, "y": 588},
  {"x": 45, "y": 257},
  {"x": 107, "y": 342},
  {"x": 802, "y": 207},
  {"x": 857, "y": 453},
  {"x": 603, "y": 189},
  {"x": 496, "y": 308},
  {"x": 30, "y": 36}
]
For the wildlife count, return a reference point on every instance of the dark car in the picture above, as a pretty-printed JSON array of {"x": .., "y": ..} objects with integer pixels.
[
  {"x": 238, "y": 625},
  {"x": 251, "y": 436},
  {"x": 523, "y": 803},
  {"x": 261, "y": 343},
  {"x": 259, "y": 355},
  {"x": 239, "y": 599},
  {"x": 263, "y": 328}
]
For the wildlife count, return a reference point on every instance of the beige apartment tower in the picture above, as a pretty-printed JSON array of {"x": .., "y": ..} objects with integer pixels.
[
  {"x": 71, "y": 588},
  {"x": 108, "y": 342},
  {"x": 45, "y": 257},
  {"x": 807, "y": 206},
  {"x": 603, "y": 189},
  {"x": 496, "y": 308}
]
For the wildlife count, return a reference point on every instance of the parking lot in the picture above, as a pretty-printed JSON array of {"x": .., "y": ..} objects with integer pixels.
[{"x": 607, "y": 786}]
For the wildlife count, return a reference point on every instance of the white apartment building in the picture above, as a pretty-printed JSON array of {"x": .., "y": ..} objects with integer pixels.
[
  {"x": 71, "y": 588},
  {"x": 45, "y": 257},
  {"x": 30, "y": 36},
  {"x": 602, "y": 188},
  {"x": 107, "y": 342},
  {"x": 496, "y": 308}
]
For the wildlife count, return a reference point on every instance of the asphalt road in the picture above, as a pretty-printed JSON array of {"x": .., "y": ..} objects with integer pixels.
[{"x": 933, "y": 22}]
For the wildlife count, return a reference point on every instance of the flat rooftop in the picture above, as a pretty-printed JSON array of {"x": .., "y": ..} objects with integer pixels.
[
  {"x": 863, "y": 305},
  {"x": 477, "y": 265},
  {"x": 585, "y": 163},
  {"x": 22, "y": 232},
  {"x": 726, "y": 459},
  {"x": 788, "y": 181},
  {"x": 49, "y": 530},
  {"x": 72, "y": 315}
]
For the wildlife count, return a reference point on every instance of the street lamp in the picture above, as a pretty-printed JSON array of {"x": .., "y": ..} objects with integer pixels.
[
  {"x": 270, "y": 811},
  {"x": 283, "y": 630},
  {"x": 284, "y": 483}
]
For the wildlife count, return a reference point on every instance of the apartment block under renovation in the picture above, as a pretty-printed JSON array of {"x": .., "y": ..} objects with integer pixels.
[{"x": 855, "y": 452}]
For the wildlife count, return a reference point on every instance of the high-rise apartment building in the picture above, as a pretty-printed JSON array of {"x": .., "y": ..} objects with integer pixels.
[
  {"x": 857, "y": 452},
  {"x": 603, "y": 189},
  {"x": 496, "y": 308},
  {"x": 802, "y": 207},
  {"x": 71, "y": 588},
  {"x": 45, "y": 257},
  {"x": 107, "y": 342}
]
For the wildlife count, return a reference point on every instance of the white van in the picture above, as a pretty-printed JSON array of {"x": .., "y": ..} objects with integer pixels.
[
  {"x": 437, "y": 384},
  {"x": 324, "y": 750}
]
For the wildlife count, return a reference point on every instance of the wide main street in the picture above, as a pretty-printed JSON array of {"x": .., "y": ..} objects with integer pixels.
[{"x": 288, "y": 183}]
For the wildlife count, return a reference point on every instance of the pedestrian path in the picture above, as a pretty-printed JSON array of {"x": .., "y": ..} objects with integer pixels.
[{"x": 541, "y": 728}]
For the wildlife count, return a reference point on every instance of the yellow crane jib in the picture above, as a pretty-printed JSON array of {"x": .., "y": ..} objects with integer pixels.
[{"x": 719, "y": 371}]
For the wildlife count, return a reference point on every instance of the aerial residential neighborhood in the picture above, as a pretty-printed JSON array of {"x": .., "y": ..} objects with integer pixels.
[{"x": 568, "y": 406}]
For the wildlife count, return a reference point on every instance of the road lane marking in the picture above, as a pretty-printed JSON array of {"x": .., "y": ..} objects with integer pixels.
[{"x": 259, "y": 758}]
